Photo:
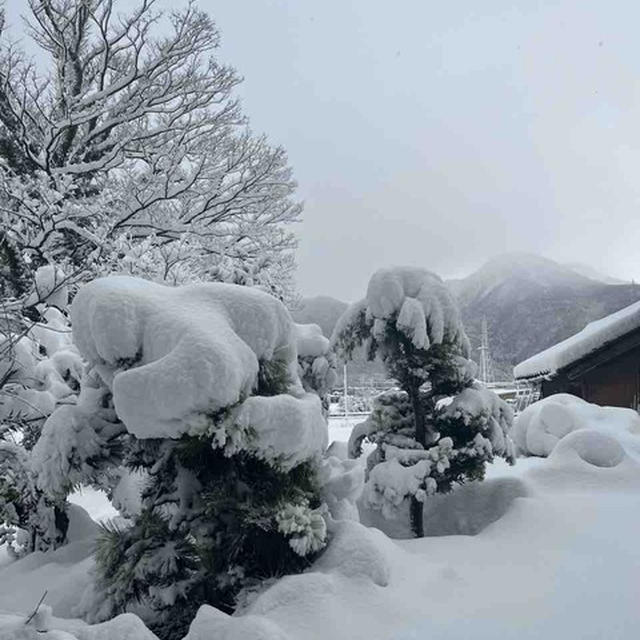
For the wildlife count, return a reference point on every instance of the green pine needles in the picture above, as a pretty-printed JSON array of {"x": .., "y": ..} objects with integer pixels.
[
  {"x": 441, "y": 427},
  {"x": 211, "y": 526}
]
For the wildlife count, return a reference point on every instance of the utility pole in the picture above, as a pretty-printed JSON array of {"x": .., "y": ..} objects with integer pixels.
[
  {"x": 486, "y": 373},
  {"x": 344, "y": 376}
]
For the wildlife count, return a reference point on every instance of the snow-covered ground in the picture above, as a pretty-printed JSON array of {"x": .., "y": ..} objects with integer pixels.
[
  {"x": 340, "y": 427},
  {"x": 561, "y": 562}
]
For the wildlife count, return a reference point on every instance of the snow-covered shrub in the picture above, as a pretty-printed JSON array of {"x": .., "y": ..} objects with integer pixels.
[
  {"x": 40, "y": 370},
  {"x": 316, "y": 361},
  {"x": 29, "y": 521},
  {"x": 198, "y": 388},
  {"x": 440, "y": 428},
  {"x": 540, "y": 427}
]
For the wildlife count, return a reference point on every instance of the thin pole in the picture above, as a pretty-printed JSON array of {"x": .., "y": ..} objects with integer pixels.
[{"x": 344, "y": 374}]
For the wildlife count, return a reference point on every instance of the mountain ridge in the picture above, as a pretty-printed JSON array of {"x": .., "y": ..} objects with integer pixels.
[{"x": 529, "y": 302}]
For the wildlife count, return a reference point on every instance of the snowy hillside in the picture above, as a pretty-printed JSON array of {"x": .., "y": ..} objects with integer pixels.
[
  {"x": 531, "y": 303},
  {"x": 593, "y": 274}
]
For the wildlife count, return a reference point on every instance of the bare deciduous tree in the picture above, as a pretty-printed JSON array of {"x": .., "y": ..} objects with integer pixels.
[{"x": 128, "y": 132}]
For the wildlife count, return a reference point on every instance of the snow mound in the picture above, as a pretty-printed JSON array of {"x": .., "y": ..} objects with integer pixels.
[
  {"x": 63, "y": 573},
  {"x": 342, "y": 482},
  {"x": 285, "y": 430},
  {"x": 538, "y": 428},
  {"x": 81, "y": 525},
  {"x": 126, "y": 626},
  {"x": 44, "y": 627},
  {"x": 356, "y": 551},
  {"x": 593, "y": 447},
  {"x": 466, "y": 511},
  {"x": 594, "y": 336},
  {"x": 471, "y": 508},
  {"x": 168, "y": 353},
  {"x": 295, "y": 593},
  {"x": 211, "y": 623}
]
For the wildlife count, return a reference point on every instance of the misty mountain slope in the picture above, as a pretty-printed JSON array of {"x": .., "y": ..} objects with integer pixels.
[
  {"x": 594, "y": 274},
  {"x": 320, "y": 310},
  {"x": 531, "y": 303},
  {"x": 325, "y": 311}
]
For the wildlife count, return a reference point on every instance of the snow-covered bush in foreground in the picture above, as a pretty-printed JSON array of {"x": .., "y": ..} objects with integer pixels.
[
  {"x": 440, "y": 428},
  {"x": 543, "y": 424},
  {"x": 197, "y": 387},
  {"x": 40, "y": 370}
]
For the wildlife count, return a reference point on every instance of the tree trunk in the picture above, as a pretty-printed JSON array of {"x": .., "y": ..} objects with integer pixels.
[
  {"x": 416, "y": 509},
  {"x": 419, "y": 417},
  {"x": 62, "y": 525}
]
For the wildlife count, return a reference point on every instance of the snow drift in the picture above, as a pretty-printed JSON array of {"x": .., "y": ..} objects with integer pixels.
[{"x": 540, "y": 427}]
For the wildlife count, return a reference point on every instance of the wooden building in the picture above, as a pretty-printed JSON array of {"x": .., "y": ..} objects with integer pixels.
[{"x": 600, "y": 364}]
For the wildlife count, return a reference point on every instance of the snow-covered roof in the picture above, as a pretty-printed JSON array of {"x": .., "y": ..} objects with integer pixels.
[{"x": 594, "y": 336}]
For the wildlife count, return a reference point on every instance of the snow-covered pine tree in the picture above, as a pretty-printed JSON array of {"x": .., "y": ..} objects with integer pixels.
[
  {"x": 205, "y": 380},
  {"x": 442, "y": 427}
]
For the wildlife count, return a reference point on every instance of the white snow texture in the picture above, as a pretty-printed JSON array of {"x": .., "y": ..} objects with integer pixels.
[
  {"x": 427, "y": 312},
  {"x": 540, "y": 427},
  {"x": 169, "y": 353}
]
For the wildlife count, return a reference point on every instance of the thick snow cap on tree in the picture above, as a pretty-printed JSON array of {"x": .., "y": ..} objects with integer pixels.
[
  {"x": 310, "y": 341},
  {"x": 427, "y": 312},
  {"x": 424, "y": 307},
  {"x": 169, "y": 353},
  {"x": 286, "y": 430}
]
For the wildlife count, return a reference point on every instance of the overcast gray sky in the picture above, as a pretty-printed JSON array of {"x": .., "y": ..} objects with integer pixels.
[{"x": 441, "y": 133}]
